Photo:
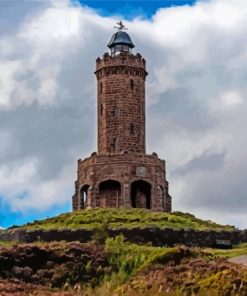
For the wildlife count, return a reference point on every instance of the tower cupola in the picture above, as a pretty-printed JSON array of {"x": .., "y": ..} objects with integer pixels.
[{"x": 120, "y": 41}]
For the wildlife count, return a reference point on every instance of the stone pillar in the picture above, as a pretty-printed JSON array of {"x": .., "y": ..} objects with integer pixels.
[
  {"x": 126, "y": 195},
  {"x": 160, "y": 198},
  {"x": 74, "y": 202},
  {"x": 153, "y": 198},
  {"x": 157, "y": 196},
  {"x": 168, "y": 199},
  {"x": 89, "y": 200}
]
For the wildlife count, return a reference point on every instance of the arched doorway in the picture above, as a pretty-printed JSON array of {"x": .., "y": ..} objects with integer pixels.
[
  {"x": 109, "y": 193},
  {"x": 141, "y": 194},
  {"x": 83, "y": 195}
]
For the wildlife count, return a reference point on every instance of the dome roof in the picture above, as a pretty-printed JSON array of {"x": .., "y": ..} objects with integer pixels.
[{"x": 120, "y": 38}]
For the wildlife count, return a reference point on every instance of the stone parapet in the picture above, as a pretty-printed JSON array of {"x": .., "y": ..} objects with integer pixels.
[
  {"x": 118, "y": 158},
  {"x": 123, "y": 59}
]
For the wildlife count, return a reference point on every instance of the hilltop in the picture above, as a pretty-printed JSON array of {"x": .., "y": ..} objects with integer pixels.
[{"x": 123, "y": 218}]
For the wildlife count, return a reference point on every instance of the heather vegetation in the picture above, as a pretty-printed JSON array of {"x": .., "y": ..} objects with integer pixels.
[
  {"x": 117, "y": 268},
  {"x": 113, "y": 266},
  {"x": 122, "y": 218},
  {"x": 148, "y": 270}
]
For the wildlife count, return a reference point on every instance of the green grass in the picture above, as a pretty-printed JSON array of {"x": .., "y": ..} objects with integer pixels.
[
  {"x": 123, "y": 218},
  {"x": 126, "y": 258},
  {"x": 7, "y": 244},
  {"x": 234, "y": 252}
]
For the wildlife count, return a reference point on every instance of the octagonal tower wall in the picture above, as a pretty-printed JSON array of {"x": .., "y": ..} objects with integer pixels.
[{"x": 124, "y": 169}]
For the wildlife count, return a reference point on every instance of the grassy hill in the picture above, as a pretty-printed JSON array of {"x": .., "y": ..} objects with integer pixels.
[
  {"x": 122, "y": 218},
  {"x": 115, "y": 266}
]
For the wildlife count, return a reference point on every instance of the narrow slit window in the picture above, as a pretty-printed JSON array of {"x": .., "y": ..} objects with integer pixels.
[
  {"x": 131, "y": 128},
  {"x": 115, "y": 111},
  {"x": 131, "y": 84},
  {"x": 101, "y": 87},
  {"x": 114, "y": 144}
]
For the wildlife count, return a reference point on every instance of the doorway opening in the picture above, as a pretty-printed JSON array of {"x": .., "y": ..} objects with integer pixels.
[
  {"x": 141, "y": 194},
  {"x": 109, "y": 193}
]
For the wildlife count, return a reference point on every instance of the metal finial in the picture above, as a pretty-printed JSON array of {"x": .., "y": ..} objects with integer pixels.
[{"x": 120, "y": 26}]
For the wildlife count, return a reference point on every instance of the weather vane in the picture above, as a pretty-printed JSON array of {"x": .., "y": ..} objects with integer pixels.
[{"x": 120, "y": 26}]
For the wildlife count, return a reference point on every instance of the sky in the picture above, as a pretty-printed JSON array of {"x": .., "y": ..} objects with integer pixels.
[{"x": 196, "y": 53}]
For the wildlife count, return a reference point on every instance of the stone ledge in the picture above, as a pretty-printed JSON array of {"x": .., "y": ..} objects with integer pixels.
[{"x": 158, "y": 237}]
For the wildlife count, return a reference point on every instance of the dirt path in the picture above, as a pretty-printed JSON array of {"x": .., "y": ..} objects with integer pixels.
[{"x": 240, "y": 260}]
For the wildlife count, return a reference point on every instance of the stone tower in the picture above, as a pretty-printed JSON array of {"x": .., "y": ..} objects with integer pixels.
[{"x": 121, "y": 174}]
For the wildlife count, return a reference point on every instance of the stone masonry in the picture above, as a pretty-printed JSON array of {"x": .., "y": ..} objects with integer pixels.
[{"x": 121, "y": 174}]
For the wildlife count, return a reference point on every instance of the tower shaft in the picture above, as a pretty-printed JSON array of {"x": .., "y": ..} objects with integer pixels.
[{"x": 121, "y": 103}]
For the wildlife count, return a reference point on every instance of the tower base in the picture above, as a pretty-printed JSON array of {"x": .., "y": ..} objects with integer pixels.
[{"x": 122, "y": 180}]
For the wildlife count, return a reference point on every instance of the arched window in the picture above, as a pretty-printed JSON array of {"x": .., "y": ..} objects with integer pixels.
[{"x": 84, "y": 191}]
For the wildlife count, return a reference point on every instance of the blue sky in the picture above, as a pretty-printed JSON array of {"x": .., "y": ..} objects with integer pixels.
[
  {"x": 9, "y": 218},
  {"x": 134, "y": 8},
  {"x": 196, "y": 100}
]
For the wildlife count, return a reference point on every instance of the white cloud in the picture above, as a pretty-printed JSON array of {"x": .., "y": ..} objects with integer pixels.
[
  {"x": 56, "y": 24},
  {"x": 231, "y": 99},
  {"x": 196, "y": 98},
  {"x": 24, "y": 82},
  {"x": 192, "y": 146},
  {"x": 22, "y": 189},
  {"x": 7, "y": 81}
]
